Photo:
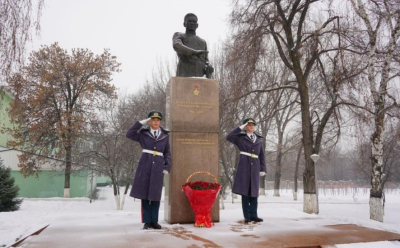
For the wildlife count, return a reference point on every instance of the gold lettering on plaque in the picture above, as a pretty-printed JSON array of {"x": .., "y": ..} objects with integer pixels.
[
  {"x": 202, "y": 142},
  {"x": 196, "y": 105}
]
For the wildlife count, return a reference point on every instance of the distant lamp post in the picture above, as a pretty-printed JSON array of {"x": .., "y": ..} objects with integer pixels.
[{"x": 315, "y": 158}]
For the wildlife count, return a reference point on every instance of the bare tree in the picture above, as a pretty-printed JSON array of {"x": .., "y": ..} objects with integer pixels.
[
  {"x": 379, "y": 39},
  {"x": 115, "y": 156},
  {"x": 302, "y": 40},
  {"x": 286, "y": 111},
  {"x": 235, "y": 106},
  {"x": 17, "y": 20},
  {"x": 231, "y": 113}
]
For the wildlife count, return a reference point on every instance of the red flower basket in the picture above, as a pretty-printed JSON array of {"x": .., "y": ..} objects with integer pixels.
[{"x": 201, "y": 196}]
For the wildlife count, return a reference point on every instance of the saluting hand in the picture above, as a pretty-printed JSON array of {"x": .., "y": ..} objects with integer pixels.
[
  {"x": 144, "y": 121},
  {"x": 242, "y": 126}
]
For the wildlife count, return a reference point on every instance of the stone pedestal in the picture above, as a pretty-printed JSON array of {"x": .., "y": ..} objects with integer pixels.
[{"x": 192, "y": 115}]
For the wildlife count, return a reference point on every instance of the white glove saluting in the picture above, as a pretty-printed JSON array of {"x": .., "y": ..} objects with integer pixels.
[
  {"x": 144, "y": 121},
  {"x": 242, "y": 126},
  {"x": 262, "y": 173}
]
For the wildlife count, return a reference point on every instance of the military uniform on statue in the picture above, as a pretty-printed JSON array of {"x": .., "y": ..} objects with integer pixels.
[
  {"x": 191, "y": 50},
  {"x": 153, "y": 164},
  {"x": 251, "y": 167}
]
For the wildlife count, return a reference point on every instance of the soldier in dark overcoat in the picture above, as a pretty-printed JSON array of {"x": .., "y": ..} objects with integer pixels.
[
  {"x": 154, "y": 162},
  {"x": 251, "y": 167}
]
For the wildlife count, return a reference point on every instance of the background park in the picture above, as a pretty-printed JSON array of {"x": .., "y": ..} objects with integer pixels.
[{"x": 320, "y": 77}]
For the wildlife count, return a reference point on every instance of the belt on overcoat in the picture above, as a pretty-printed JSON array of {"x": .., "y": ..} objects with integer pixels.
[
  {"x": 249, "y": 154},
  {"x": 153, "y": 152}
]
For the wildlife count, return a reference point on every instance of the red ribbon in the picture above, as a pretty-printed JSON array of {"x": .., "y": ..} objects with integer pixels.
[{"x": 203, "y": 220}]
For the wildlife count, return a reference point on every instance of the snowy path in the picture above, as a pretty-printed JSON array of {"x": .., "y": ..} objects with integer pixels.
[{"x": 79, "y": 213}]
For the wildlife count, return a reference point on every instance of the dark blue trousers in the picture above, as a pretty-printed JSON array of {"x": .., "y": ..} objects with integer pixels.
[
  {"x": 249, "y": 206},
  {"x": 150, "y": 211}
]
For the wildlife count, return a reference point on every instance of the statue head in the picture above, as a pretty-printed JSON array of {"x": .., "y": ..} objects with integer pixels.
[{"x": 190, "y": 22}]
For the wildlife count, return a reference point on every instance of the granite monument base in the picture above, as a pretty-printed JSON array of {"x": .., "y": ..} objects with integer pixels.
[{"x": 193, "y": 119}]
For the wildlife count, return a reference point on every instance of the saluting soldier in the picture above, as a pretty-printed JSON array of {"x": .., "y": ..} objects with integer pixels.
[
  {"x": 251, "y": 167},
  {"x": 153, "y": 164}
]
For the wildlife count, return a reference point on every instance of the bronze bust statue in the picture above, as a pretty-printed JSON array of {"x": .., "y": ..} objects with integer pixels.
[{"x": 191, "y": 50}]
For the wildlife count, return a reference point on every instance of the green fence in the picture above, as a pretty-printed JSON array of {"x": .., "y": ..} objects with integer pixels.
[{"x": 51, "y": 184}]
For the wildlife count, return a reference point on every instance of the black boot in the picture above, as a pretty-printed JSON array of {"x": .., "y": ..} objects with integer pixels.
[
  {"x": 147, "y": 226},
  {"x": 155, "y": 225},
  {"x": 256, "y": 219},
  {"x": 247, "y": 220}
]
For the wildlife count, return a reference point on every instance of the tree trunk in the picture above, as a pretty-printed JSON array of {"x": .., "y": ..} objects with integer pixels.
[
  {"x": 310, "y": 204},
  {"x": 225, "y": 166},
  {"x": 123, "y": 201},
  {"x": 68, "y": 156},
  {"x": 377, "y": 176},
  {"x": 127, "y": 185},
  {"x": 117, "y": 196},
  {"x": 278, "y": 166},
  {"x": 262, "y": 185},
  {"x": 277, "y": 183},
  {"x": 376, "y": 208},
  {"x": 115, "y": 190},
  {"x": 296, "y": 171}
]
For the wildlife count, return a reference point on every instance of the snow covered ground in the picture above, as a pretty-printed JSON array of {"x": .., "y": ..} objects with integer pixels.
[{"x": 37, "y": 213}]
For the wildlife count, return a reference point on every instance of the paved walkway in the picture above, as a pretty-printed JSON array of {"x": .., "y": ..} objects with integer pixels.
[{"x": 117, "y": 230}]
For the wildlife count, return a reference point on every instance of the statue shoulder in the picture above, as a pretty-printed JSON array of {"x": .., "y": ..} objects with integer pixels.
[
  {"x": 204, "y": 41},
  {"x": 178, "y": 35}
]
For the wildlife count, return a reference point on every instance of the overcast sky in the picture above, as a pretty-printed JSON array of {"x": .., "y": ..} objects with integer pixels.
[{"x": 138, "y": 32}]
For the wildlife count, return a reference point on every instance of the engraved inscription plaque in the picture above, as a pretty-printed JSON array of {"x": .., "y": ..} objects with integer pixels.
[{"x": 192, "y": 105}]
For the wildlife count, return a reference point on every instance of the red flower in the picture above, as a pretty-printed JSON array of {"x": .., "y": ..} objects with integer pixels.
[{"x": 200, "y": 185}]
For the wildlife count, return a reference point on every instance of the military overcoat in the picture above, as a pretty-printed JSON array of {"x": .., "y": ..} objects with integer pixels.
[
  {"x": 248, "y": 170},
  {"x": 149, "y": 176}
]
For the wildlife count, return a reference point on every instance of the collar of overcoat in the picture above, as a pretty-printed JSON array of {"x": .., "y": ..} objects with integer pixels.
[
  {"x": 258, "y": 140},
  {"x": 163, "y": 133}
]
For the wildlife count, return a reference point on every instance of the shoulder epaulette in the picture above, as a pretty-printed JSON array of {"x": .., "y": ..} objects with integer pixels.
[
  {"x": 258, "y": 135},
  {"x": 144, "y": 129},
  {"x": 164, "y": 130},
  {"x": 243, "y": 132}
]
